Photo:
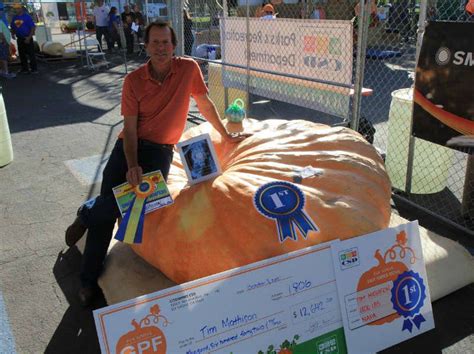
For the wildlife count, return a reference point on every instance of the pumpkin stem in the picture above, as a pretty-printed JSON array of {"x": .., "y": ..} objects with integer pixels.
[
  {"x": 136, "y": 325},
  {"x": 379, "y": 257}
]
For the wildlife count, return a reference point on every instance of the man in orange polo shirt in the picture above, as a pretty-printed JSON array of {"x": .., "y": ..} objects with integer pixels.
[{"x": 155, "y": 104}]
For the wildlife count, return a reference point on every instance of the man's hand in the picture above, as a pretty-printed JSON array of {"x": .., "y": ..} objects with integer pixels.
[
  {"x": 236, "y": 137},
  {"x": 27, "y": 40},
  {"x": 134, "y": 175}
]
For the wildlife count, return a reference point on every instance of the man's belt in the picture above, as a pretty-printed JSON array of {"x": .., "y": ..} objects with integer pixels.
[{"x": 144, "y": 143}]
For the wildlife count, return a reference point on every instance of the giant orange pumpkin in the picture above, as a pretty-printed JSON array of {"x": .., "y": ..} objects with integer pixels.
[{"x": 213, "y": 226}]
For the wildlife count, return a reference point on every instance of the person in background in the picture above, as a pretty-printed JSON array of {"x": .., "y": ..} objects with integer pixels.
[
  {"x": 318, "y": 13},
  {"x": 188, "y": 32},
  {"x": 101, "y": 14},
  {"x": 114, "y": 23},
  {"x": 268, "y": 12},
  {"x": 128, "y": 17},
  {"x": 373, "y": 13},
  {"x": 140, "y": 21},
  {"x": 5, "y": 39},
  {"x": 3, "y": 16},
  {"x": 23, "y": 29}
]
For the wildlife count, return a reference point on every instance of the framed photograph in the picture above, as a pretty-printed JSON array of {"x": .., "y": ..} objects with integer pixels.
[{"x": 199, "y": 158}]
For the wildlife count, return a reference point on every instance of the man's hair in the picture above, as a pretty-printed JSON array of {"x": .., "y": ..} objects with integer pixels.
[{"x": 160, "y": 24}]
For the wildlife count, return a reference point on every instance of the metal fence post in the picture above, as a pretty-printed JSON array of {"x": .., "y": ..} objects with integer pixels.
[
  {"x": 411, "y": 143},
  {"x": 225, "y": 12},
  {"x": 248, "y": 52},
  {"x": 363, "y": 27},
  {"x": 177, "y": 7}
]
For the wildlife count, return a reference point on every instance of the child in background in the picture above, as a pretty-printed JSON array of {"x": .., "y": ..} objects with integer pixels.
[
  {"x": 114, "y": 23},
  {"x": 5, "y": 38}
]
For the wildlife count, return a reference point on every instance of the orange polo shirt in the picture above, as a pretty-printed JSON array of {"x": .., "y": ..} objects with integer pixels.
[{"x": 162, "y": 108}]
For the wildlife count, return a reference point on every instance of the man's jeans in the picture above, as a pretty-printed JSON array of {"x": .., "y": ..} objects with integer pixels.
[
  {"x": 102, "y": 31},
  {"x": 100, "y": 213}
]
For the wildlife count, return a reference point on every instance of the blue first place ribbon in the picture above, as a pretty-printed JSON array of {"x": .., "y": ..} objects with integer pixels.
[
  {"x": 284, "y": 202},
  {"x": 408, "y": 296},
  {"x": 131, "y": 228}
]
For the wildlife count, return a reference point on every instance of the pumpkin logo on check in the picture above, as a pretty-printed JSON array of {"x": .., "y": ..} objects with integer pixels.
[{"x": 146, "y": 338}]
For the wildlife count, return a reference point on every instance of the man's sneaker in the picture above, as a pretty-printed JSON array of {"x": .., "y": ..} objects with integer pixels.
[
  {"x": 75, "y": 231},
  {"x": 23, "y": 72},
  {"x": 34, "y": 72}
]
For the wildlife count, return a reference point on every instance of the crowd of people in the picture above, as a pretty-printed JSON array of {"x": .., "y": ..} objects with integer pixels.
[
  {"x": 108, "y": 26},
  {"x": 109, "y": 23}
]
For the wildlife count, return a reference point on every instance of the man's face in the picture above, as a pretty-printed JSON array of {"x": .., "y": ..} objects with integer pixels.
[
  {"x": 18, "y": 10},
  {"x": 126, "y": 8},
  {"x": 160, "y": 47}
]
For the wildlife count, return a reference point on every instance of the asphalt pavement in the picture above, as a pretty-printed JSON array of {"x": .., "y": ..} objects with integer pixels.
[{"x": 64, "y": 122}]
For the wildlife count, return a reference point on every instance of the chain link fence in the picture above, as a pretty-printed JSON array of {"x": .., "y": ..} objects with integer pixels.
[
  {"x": 316, "y": 85},
  {"x": 260, "y": 41},
  {"x": 284, "y": 63},
  {"x": 425, "y": 174}
]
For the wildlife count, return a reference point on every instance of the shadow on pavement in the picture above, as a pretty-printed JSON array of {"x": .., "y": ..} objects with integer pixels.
[
  {"x": 451, "y": 205},
  {"x": 55, "y": 85},
  {"x": 76, "y": 332},
  {"x": 454, "y": 323}
]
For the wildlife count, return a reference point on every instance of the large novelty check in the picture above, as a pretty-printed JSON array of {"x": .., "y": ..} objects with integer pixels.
[{"x": 286, "y": 304}]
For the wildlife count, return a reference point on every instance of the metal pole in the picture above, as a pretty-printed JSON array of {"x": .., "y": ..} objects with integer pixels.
[
  {"x": 123, "y": 43},
  {"x": 224, "y": 17},
  {"x": 247, "y": 83},
  {"x": 362, "y": 34},
  {"x": 467, "y": 207},
  {"x": 411, "y": 142},
  {"x": 44, "y": 22},
  {"x": 81, "y": 2},
  {"x": 178, "y": 23},
  {"x": 421, "y": 26},
  {"x": 146, "y": 12}
]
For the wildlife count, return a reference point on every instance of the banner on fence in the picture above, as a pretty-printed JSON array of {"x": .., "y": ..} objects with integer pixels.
[
  {"x": 443, "y": 110},
  {"x": 320, "y": 50}
]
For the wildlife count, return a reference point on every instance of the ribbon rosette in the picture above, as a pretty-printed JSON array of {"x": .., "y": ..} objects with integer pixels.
[
  {"x": 408, "y": 296},
  {"x": 284, "y": 202},
  {"x": 131, "y": 227}
]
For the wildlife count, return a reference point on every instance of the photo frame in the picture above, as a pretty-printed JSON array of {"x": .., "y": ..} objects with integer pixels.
[{"x": 199, "y": 158}]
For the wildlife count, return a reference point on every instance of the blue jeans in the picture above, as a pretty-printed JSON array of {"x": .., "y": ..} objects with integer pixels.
[{"x": 100, "y": 214}]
